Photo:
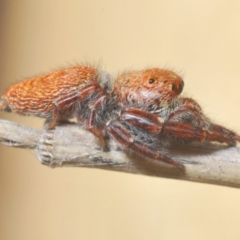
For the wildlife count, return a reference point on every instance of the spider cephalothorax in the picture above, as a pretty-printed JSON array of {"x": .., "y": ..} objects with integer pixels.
[{"x": 150, "y": 88}]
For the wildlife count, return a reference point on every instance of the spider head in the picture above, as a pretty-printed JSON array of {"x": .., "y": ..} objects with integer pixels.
[
  {"x": 154, "y": 86},
  {"x": 164, "y": 82}
]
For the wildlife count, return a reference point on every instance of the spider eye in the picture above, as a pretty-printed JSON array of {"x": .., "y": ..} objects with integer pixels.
[
  {"x": 151, "y": 80},
  {"x": 178, "y": 88},
  {"x": 181, "y": 87},
  {"x": 174, "y": 87}
]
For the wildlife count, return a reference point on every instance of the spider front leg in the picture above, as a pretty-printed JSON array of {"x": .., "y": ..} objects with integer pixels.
[
  {"x": 184, "y": 131},
  {"x": 177, "y": 128},
  {"x": 189, "y": 116},
  {"x": 142, "y": 119},
  {"x": 121, "y": 135},
  {"x": 154, "y": 124}
]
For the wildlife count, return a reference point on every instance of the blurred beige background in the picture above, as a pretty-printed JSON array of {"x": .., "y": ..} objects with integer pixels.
[{"x": 199, "y": 39}]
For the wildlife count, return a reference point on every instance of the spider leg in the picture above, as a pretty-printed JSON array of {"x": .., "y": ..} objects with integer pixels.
[
  {"x": 142, "y": 119},
  {"x": 154, "y": 124},
  {"x": 222, "y": 134},
  {"x": 52, "y": 121},
  {"x": 189, "y": 111},
  {"x": 93, "y": 92},
  {"x": 188, "y": 132},
  {"x": 177, "y": 129},
  {"x": 188, "y": 122},
  {"x": 121, "y": 135},
  {"x": 64, "y": 101},
  {"x": 91, "y": 120},
  {"x": 98, "y": 99}
]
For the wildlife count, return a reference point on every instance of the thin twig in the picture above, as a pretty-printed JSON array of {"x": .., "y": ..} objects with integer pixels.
[{"x": 70, "y": 145}]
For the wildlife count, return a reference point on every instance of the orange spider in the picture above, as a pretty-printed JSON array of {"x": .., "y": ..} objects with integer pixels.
[{"x": 141, "y": 110}]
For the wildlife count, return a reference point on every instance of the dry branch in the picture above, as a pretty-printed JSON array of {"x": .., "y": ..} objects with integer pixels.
[{"x": 70, "y": 145}]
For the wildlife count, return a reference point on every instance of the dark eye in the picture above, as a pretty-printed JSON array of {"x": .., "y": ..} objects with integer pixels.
[
  {"x": 151, "y": 80},
  {"x": 178, "y": 88},
  {"x": 174, "y": 87}
]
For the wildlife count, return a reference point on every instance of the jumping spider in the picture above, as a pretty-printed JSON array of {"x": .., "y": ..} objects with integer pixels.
[{"x": 141, "y": 110}]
